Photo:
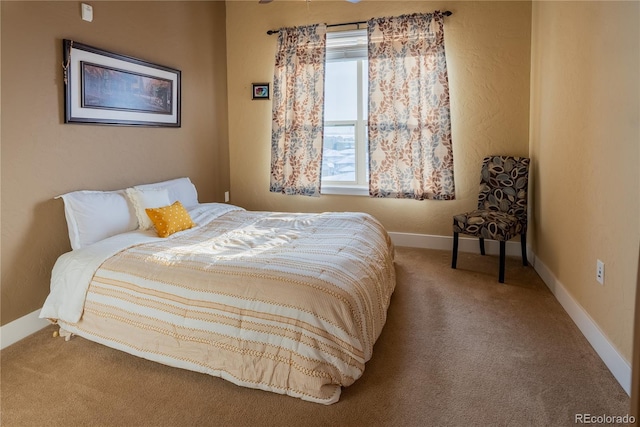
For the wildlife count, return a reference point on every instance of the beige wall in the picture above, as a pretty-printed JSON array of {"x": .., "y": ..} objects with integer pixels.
[
  {"x": 42, "y": 157},
  {"x": 585, "y": 146},
  {"x": 488, "y": 55}
]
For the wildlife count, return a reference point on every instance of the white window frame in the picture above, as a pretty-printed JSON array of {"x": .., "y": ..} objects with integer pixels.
[{"x": 351, "y": 46}]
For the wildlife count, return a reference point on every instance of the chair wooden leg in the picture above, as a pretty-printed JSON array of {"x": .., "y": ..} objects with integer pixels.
[
  {"x": 481, "y": 246},
  {"x": 502, "y": 255},
  {"x": 454, "y": 259},
  {"x": 523, "y": 243}
]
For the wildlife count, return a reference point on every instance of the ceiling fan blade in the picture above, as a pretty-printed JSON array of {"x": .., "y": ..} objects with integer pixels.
[{"x": 269, "y": 1}]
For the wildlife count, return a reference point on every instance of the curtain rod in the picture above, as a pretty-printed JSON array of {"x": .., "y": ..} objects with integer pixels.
[{"x": 445, "y": 13}]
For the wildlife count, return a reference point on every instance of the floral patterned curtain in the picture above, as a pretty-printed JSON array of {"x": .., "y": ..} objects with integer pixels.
[
  {"x": 410, "y": 154},
  {"x": 298, "y": 111}
]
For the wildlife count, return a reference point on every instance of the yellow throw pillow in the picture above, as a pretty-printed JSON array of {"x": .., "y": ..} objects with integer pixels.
[{"x": 170, "y": 219}]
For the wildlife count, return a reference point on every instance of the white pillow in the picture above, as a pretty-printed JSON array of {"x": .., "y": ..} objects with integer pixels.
[
  {"x": 149, "y": 198},
  {"x": 95, "y": 215},
  {"x": 179, "y": 189}
]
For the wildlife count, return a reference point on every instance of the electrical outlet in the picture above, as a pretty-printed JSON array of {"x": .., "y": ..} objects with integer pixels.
[
  {"x": 600, "y": 272},
  {"x": 226, "y": 197}
]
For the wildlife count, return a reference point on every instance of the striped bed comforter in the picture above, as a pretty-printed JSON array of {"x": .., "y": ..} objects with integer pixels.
[{"x": 289, "y": 303}]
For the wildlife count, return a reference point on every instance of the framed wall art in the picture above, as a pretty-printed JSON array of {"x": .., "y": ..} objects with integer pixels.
[
  {"x": 106, "y": 88},
  {"x": 260, "y": 90}
]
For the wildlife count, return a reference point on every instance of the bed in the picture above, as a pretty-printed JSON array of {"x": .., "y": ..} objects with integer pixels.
[{"x": 290, "y": 303}]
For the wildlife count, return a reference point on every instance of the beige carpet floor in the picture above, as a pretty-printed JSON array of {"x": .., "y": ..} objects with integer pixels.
[{"x": 458, "y": 349}]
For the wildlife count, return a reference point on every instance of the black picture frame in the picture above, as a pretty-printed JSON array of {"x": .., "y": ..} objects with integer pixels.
[
  {"x": 107, "y": 88},
  {"x": 260, "y": 91}
]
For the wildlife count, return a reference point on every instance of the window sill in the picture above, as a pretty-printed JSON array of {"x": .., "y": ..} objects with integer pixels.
[{"x": 344, "y": 190}]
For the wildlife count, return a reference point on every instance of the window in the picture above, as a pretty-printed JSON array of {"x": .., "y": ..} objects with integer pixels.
[
  {"x": 407, "y": 130},
  {"x": 345, "y": 149}
]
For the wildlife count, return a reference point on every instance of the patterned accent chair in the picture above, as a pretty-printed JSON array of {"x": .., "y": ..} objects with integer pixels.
[{"x": 502, "y": 207}]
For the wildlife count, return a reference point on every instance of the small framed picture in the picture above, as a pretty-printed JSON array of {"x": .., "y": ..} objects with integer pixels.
[{"x": 260, "y": 91}]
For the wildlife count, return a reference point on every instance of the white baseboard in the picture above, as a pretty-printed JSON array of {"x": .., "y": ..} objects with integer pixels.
[
  {"x": 465, "y": 244},
  {"x": 21, "y": 328},
  {"x": 619, "y": 367}
]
